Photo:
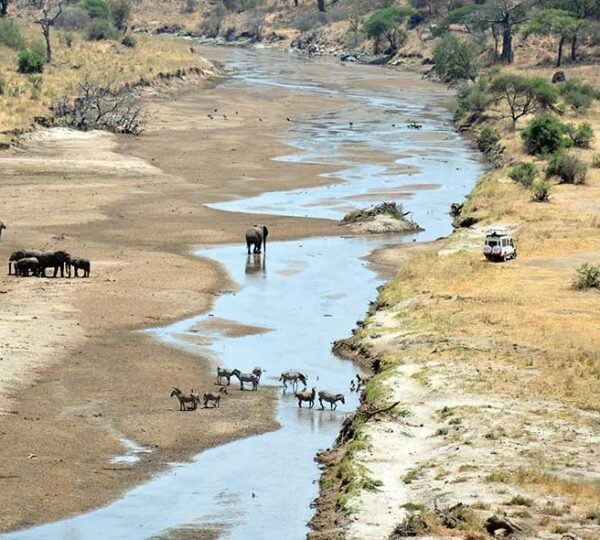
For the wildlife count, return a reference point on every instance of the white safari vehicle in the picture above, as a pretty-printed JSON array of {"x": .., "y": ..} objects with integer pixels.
[{"x": 499, "y": 246}]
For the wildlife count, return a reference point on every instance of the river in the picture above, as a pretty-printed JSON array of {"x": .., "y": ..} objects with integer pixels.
[{"x": 306, "y": 292}]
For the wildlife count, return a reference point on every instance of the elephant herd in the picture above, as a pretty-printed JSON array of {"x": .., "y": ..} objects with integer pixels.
[{"x": 25, "y": 263}]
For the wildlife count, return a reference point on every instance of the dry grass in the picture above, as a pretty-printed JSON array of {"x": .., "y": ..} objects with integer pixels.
[{"x": 103, "y": 61}]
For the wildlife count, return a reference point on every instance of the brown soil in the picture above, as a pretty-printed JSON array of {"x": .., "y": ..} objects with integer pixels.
[{"x": 75, "y": 375}]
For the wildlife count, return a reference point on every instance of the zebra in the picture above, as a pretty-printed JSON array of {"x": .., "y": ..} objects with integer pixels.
[
  {"x": 305, "y": 395},
  {"x": 330, "y": 398},
  {"x": 246, "y": 378},
  {"x": 293, "y": 377},
  {"x": 223, "y": 373}
]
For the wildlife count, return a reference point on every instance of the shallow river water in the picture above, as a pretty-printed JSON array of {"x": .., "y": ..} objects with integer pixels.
[{"x": 307, "y": 292}]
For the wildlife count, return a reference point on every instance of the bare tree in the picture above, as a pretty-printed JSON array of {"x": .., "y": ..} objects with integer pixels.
[
  {"x": 51, "y": 11},
  {"x": 101, "y": 106}
]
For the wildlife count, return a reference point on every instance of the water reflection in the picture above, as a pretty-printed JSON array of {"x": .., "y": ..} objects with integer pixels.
[{"x": 256, "y": 264}]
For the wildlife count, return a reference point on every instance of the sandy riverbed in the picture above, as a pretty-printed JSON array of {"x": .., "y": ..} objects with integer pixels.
[{"x": 73, "y": 373}]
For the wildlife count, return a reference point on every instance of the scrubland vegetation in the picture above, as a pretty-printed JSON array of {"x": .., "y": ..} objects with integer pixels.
[{"x": 88, "y": 42}]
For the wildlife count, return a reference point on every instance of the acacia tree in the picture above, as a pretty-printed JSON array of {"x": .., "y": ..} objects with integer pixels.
[
  {"x": 3, "y": 8},
  {"x": 51, "y": 11},
  {"x": 386, "y": 23},
  {"x": 581, "y": 9},
  {"x": 556, "y": 22},
  {"x": 522, "y": 95},
  {"x": 505, "y": 15}
]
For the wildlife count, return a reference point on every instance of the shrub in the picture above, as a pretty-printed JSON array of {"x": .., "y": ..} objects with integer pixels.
[
  {"x": 473, "y": 99},
  {"x": 544, "y": 135},
  {"x": 596, "y": 161},
  {"x": 582, "y": 135},
  {"x": 73, "y": 18},
  {"x": 2, "y": 85},
  {"x": 540, "y": 191},
  {"x": 10, "y": 34},
  {"x": 587, "y": 276},
  {"x": 568, "y": 167},
  {"x": 31, "y": 61},
  {"x": 69, "y": 38},
  {"x": 487, "y": 138},
  {"x": 524, "y": 174},
  {"x": 101, "y": 29},
  {"x": 129, "y": 41},
  {"x": 578, "y": 95},
  {"x": 36, "y": 81},
  {"x": 190, "y": 6},
  {"x": 121, "y": 12},
  {"x": 96, "y": 9},
  {"x": 455, "y": 60}
]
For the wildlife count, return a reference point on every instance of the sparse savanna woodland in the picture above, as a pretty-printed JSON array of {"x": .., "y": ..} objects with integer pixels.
[{"x": 481, "y": 413}]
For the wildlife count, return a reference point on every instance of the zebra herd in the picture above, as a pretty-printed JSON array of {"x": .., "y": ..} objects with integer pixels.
[{"x": 192, "y": 400}]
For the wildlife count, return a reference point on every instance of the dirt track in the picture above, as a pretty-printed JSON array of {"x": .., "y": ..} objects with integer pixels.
[{"x": 74, "y": 374}]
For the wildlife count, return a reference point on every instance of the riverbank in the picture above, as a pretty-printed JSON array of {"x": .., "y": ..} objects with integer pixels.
[{"x": 494, "y": 369}]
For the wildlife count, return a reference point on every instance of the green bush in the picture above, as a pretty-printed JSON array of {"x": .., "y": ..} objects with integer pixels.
[
  {"x": 596, "y": 161},
  {"x": 587, "y": 276},
  {"x": 544, "y": 135},
  {"x": 129, "y": 41},
  {"x": 540, "y": 191},
  {"x": 31, "y": 61},
  {"x": 97, "y": 9},
  {"x": 473, "y": 100},
  {"x": 455, "y": 60},
  {"x": 582, "y": 135},
  {"x": 102, "y": 29},
  {"x": 567, "y": 167},
  {"x": 524, "y": 174},
  {"x": 10, "y": 34},
  {"x": 487, "y": 138},
  {"x": 578, "y": 95}
]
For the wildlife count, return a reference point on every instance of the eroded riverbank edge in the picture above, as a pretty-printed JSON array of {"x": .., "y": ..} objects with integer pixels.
[{"x": 495, "y": 388}]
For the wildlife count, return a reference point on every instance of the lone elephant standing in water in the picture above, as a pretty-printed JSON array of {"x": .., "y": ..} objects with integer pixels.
[{"x": 257, "y": 237}]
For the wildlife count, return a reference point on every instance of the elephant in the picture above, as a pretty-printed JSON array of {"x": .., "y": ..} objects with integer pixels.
[
  {"x": 78, "y": 263},
  {"x": 21, "y": 254},
  {"x": 23, "y": 266},
  {"x": 53, "y": 259},
  {"x": 2, "y": 226},
  {"x": 257, "y": 237}
]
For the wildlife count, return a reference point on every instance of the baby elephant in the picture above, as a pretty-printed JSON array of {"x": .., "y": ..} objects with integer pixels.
[
  {"x": 25, "y": 265},
  {"x": 79, "y": 263}
]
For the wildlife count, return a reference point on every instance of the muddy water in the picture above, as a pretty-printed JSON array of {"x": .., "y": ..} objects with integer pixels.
[{"x": 306, "y": 293}]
